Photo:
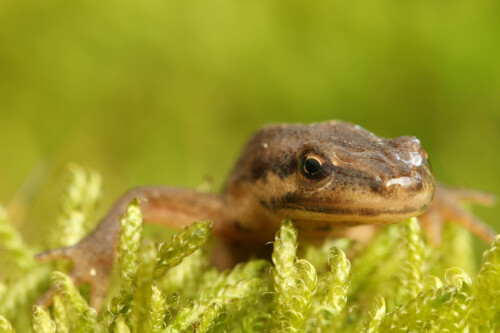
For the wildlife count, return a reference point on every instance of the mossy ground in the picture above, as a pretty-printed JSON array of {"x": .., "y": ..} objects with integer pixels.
[{"x": 396, "y": 283}]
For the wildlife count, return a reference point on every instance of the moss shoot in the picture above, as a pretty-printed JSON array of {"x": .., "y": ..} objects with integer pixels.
[{"x": 395, "y": 283}]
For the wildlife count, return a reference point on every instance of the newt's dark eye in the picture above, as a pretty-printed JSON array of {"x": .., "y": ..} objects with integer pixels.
[{"x": 313, "y": 168}]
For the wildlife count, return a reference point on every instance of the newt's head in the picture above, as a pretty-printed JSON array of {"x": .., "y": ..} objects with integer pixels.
[{"x": 335, "y": 171}]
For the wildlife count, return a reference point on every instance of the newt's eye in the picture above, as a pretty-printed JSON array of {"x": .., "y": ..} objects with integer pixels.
[{"x": 313, "y": 168}]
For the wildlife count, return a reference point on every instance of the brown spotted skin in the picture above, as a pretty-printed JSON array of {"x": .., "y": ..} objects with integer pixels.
[{"x": 332, "y": 178}]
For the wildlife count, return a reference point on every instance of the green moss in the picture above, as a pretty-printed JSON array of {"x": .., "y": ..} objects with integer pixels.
[
  {"x": 79, "y": 316},
  {"x": 78, "y": 203},
  {"x": 332, "y": 293},
  {"x": 294, "y": 282},
  {"x": 158, "y": 310},
  {"x": 130, "y": 241},
  {"x": 120, "y": 307},
  {"x": 171, "y": 253},
  {"x": 171, "y": 287},
  {"x": 5, "y": 325},
  {"x": 411, "y": 273},
  {"x": 486, "y": 291},
  {"x": 12, "y": 241},
  {"x": 42, "y": 321}
]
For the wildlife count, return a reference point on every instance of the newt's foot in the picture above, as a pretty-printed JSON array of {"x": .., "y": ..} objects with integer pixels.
[
  {"x": 88, "y": 266},
  {"x": 447, "y": 206}
]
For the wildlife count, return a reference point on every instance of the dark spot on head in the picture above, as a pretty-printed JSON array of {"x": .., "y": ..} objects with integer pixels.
[
  {"x": 288, "y": 167},
  {"x": 274, "y": 204},
  {"x": 236, "y": 244},
  {"x": 290, "y": 197},
  {"x": 258, "y": 170},
  {"x": 241, "y": 227}
]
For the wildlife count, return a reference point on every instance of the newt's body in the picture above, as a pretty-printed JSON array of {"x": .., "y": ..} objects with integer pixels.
[{"x": 326, "y": 176}]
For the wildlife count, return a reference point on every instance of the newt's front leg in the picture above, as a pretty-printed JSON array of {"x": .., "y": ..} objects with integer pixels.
[
  {"x": 448, "y": 206},
  {"x": 93, "y": 256}
]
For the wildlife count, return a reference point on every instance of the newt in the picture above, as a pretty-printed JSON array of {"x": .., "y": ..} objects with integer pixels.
[{"x": 331, "y": 178}]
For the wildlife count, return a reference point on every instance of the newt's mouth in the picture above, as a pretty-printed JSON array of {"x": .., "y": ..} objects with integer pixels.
[
  {"x": 394, "y": 200},
  {"x": 354, "y": 215}
]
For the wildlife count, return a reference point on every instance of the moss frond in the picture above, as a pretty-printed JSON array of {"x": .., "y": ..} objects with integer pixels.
[
  {"x": 332, "y": 292},
  {"x": 454, "y": 318},
  {"x": 294, "y": 282},
  {"x": 189, "y": 274},
  {"x": 420, "y": 313},
  {"x": 319, "y": 255},
  {"x": 11, "y": 240},
  {"x": 215, "y": 284},
  {"x": 78, "y": 205},
  {"x": 130, "y": 242},
  {"x": 59, "y": 311},
  {"x": 5, "y": 325},
  {"x": 143, "y": 285},
  {"x": 411, "y": 274},
  {"x": 486, "y": 291},
  {"x": 338, "y": 281},
  {"x": 158, "y": 310},
  {"x": 215, "y": 317},
  {"x": 120, "y": 306},
  {"x": 181, "y": 245},
  {"x": 42, "y": 321},
  {"x": 77, "y": 306},
  {"x": 23, "y": 289},
  {"x": 376, "y": 314},
  {"x": 171, "y": 287}
]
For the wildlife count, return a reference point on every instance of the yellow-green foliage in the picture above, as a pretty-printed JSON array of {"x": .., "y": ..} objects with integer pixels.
[
  {"x": 81, "y": 317},
  {"x": 42, "y": 321},
  {"x": 12, "y": 241},
  {"x": 486, "y": 291},
  {"x": 294, "y": 282},
  {"x": 78, "y": 204},
  {"x": 391, "y": 285},
  {"x": 5, "y": 326}
]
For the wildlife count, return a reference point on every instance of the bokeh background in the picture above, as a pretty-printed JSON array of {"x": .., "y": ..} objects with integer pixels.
[{"x": 167, "y": 92}]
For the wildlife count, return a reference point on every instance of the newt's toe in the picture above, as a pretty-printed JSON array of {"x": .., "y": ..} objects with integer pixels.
[
  {"x": 89, "y": 266},
  {"x": 472, "y": 196},
  {"x": 54, "y": 254}
]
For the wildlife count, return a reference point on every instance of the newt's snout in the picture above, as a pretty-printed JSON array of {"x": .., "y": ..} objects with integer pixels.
[
  {"x": 359, "y": 177},
  {"x": 407, "y": 161}
]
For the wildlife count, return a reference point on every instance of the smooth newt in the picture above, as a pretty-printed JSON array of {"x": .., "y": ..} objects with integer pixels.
[{"x": 327, "y": 177}]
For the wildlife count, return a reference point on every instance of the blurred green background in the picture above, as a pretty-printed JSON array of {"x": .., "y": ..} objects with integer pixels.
[{"x": 167, "y": 92}]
